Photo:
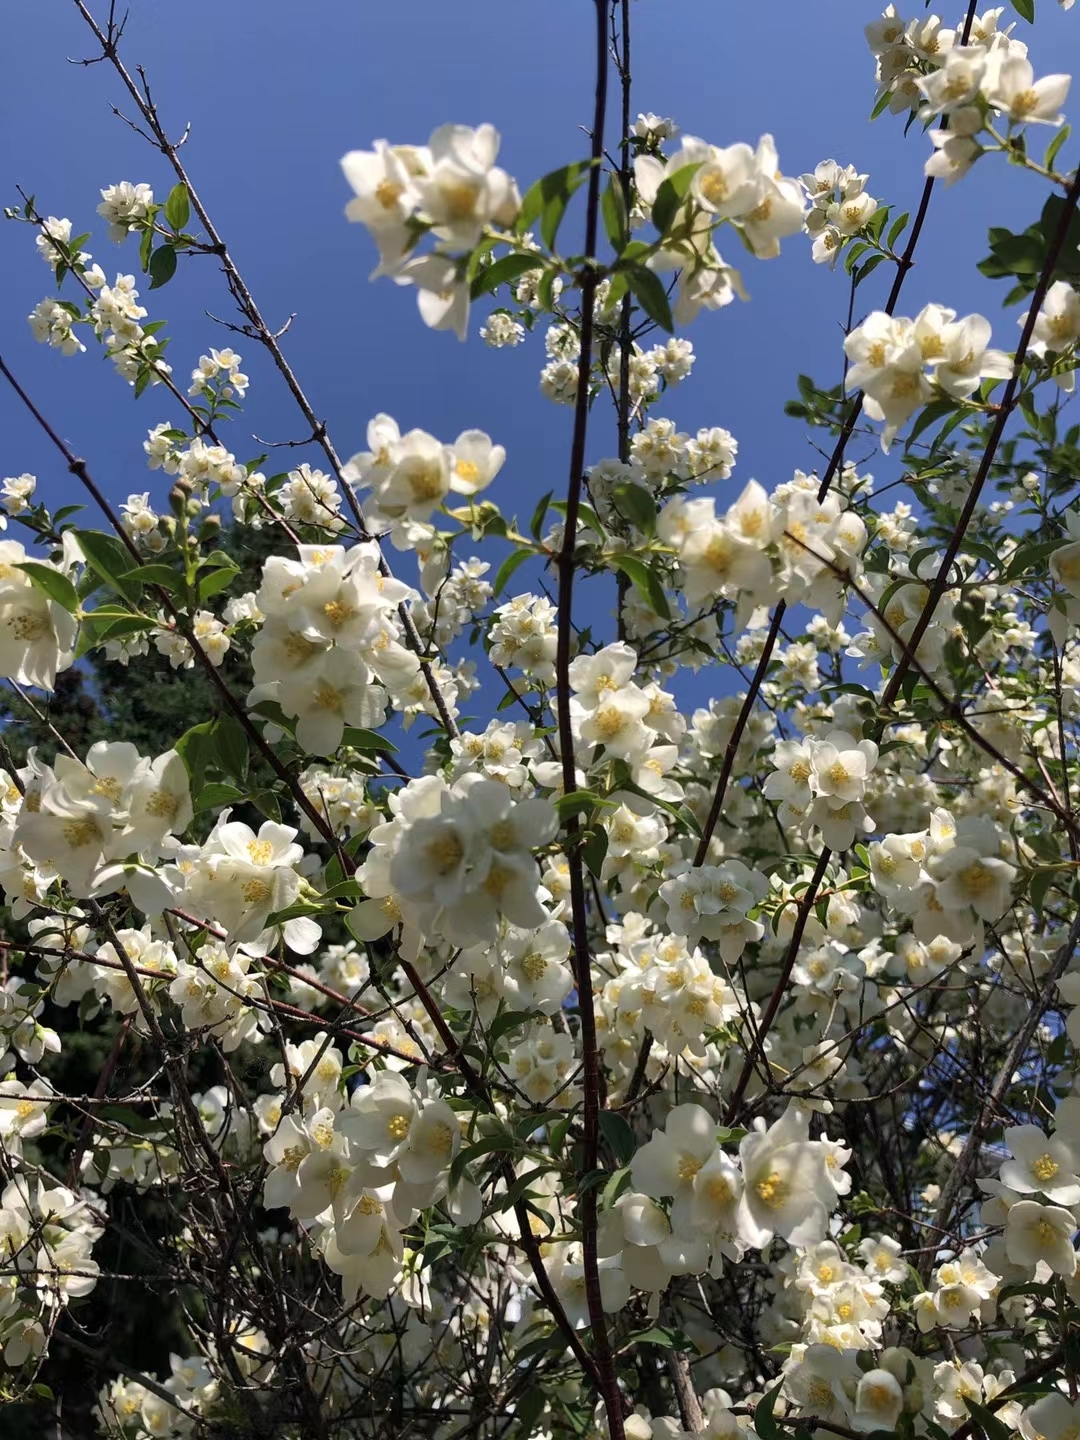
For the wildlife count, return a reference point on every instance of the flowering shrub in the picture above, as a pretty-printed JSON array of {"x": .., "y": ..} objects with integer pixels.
[{"x": 597, "y": 1068}]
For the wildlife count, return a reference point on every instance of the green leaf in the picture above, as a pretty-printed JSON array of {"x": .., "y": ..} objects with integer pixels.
[
  {"x": 877, "y": 222},
  {"x": 545, "y": 291},
  {"x": 881, "y": 103},
  {"x": 146, "y": 244},
  {"x": 478, "y": 258},
  {"x": 513, "y": 562},
  {"x": 367, "y": 740},
  {"x": 577, "y": 802},
  {"x": 217, "y": 580},
  {"x": 613, "y": 209},
  {"x": 217, "y": 558},
  {"x": 1041, "y": 881},
  {"x": 644, "y": 581},
  {"x": 765, "y": 1425},
  {"x": 1014, "y": 255},
  {"x": 1068, "y": 263},
  {"x": 615, "y": 1187},
  {"x": 344, "y": 890},
  {"x": 510, "y": 267},
  {"x": 97, "y": 628},
  {"x": 617, "y": 1132},
  {"x": 518, "y": 1189},
  {"x": 265, "y": 801},
  {"x": 56, "y": 586},
  {"x": 896, "y": 229},
  {"x": 552, "y": 1344},
  {"x": 162, "y": 266},
  {"x": 1026, "y": 10},
  {"x": 231, "y": 746},
  {"x": 537, "y": 522},
  {"x": 588, "y": 516},
  {"x": 637, "y": 505},
  {"x": 594, "y": 852},
  {"x": 164, "y": 575},
  {"x": 110, "y": 560},
  {"x": 528, "y": 1410},
  {"x": 293, "y": 912},
  {"x": 196, "y": 748},
  {"x": 986, "y": 1420},
  {"x": 486, "y": 1146},
  {"x": 211, "y": 796},
  {"x": 1054, "y": 148},
  {"x": 665, "y": 1338},
  {"x": 871, "y": 265},
  {"x": 273, "y": 712},
  {"x": 672, "y": 192},
  {"x": 936, "y": 410},
  {"x": 1029, "y": 555},
  {"x": 507, "y": 1021},
  {"x": 650, "y": 294},
  {"x": 730, "y": 1134},
  {"x": 178, "y": 206},
  {"x": 548, "y": 198},
  {"x": 961, "y": 414}
]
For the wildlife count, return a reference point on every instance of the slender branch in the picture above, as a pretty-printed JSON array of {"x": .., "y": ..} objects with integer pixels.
[
  {"x": 1004, "y": 411},
  {"x": 261, "y": 331},
  {"x": 566, "y": 565},
  {"x": 626, "y": 313},
  {"x": 958, "y": 1174},
  {"x": 836, "y": 460},
  {"x": 760, "y": 1032}
]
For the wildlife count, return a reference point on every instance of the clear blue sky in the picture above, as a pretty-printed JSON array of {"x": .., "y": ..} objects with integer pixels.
[{"x": 276, "y": 93}]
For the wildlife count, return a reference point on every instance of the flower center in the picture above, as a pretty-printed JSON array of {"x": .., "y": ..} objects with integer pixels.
[
  {"x": 256, "y": 892},
  {"x": 398, "y": 1126},
  {"x": 78, "y": 833},
  {"x": 773, "y": 1190},
  {"x": 688, "y": 1167},
  {"x": 388, "y": 192},
  {"x": 162, "y": 805},
  {"x": 1045, "y": 1168}
]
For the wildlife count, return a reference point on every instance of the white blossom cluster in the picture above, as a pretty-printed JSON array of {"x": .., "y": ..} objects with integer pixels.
[{"x": 698, "y": 973}]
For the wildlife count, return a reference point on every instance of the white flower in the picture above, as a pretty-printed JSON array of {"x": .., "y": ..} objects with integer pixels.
[
  {"x": 241, "y": 878},
  {"x": 966, "y": 878},
  {"x": 840, "y": 766},
  {"x": 879, "y": 1400},
  {"x": 1052, "y": 1417},
  {"x": 1035, "y": 1233},
  {"x": 37, "y": 635},
  {"x": 474, "y": 463},
  {"x": 16, "y": 492},
  {"x": 464, "y": 189},
  {"x": 956, "y": 82},
  {"x": 335, "y": 691},
  {"x": 788, "y": 1191},
  {"x": 442, "y": 295},
  {"x": 1057, "y": 325},
  {"x": 1040, "y": 1165},
  {"x": 667, "y": 1164},
  {"x": 124, "y": 206},
  {"x": 654, "y": 128},
  {"x": 384, "y": 180},
  {"x": 23, "y": 1111},
  {"x": 1018, "y": 95}
]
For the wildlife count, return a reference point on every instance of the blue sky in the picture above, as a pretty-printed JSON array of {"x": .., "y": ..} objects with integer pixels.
[{"x": 275, "y": 94}]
